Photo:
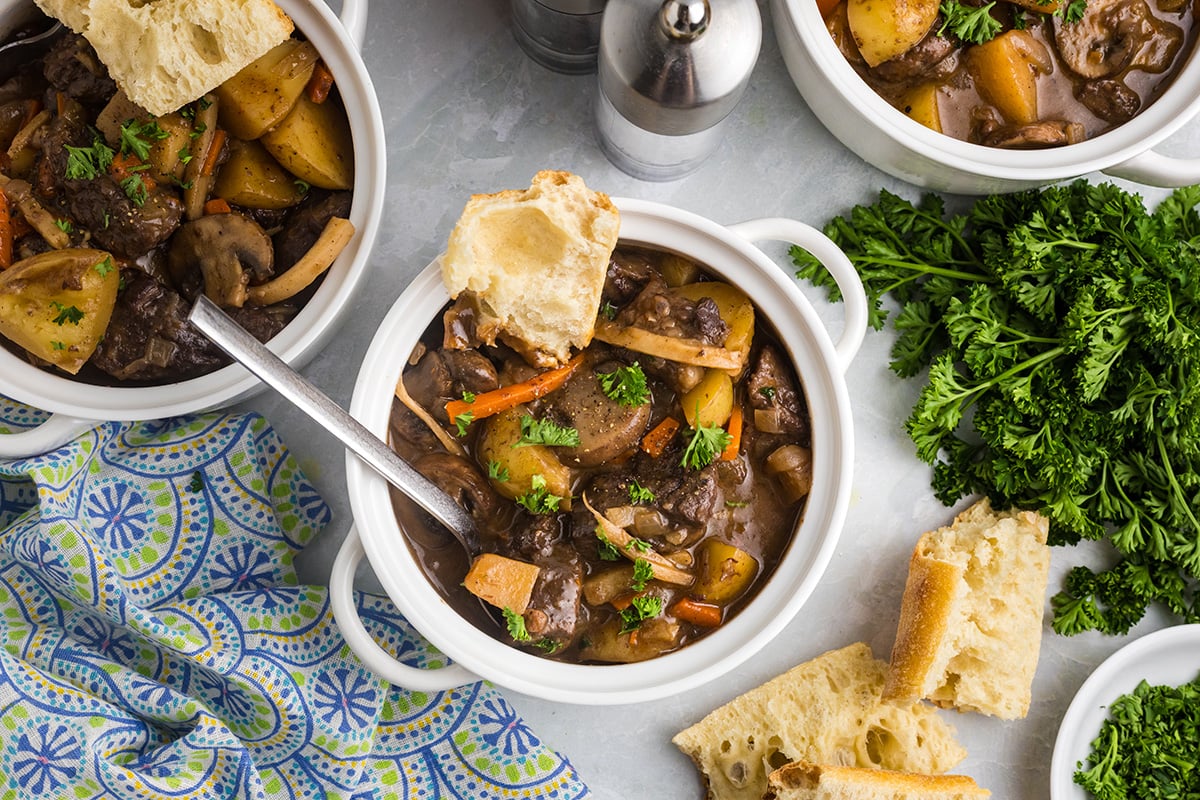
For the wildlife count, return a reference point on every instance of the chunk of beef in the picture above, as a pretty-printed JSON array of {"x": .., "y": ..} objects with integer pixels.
[
  {"x": 772, "y": 389},
  {"x": 555, "y": 607},
  {"x": 1109, "y": 99},
  {"x": 117, "y": 223},
  {"x": 150, "y": 339},
  {"x": 72, "y": 67},
  {"x": 928, "y": 59},
  {"x": 628, "y": 272},
  {"x": 658, "y": 309},
  {"x": 301, "y": 231}
]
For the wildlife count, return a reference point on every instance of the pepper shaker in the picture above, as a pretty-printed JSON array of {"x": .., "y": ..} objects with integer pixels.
[
  {"x": 560, "y": 34},
  {"x": 670, "y": 72}
]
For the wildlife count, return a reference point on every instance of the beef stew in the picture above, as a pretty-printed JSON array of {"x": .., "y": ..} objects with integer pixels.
[{"x": 636, "y": 504}]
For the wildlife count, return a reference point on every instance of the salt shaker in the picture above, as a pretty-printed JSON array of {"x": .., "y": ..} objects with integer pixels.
[
  {"x": 560, "y": 34},
  {"x": 670, "y": 72}
]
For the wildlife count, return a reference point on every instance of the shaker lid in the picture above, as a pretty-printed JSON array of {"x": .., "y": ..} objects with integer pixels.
[{"x": 676, "y": 67}]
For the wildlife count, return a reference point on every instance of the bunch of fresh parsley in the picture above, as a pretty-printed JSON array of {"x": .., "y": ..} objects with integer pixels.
[{"x": 1059, "y": 333}]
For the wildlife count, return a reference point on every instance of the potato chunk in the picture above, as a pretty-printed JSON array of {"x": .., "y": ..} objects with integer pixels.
[
  {"x": 251, "y": 177},
  {"x": 885, "y": 29},
  {"x": 503, "y": 582},
  {"x": 517, "y": 465},
  {"x": 1005, "y": 71},
  {"x": 57, "y": 305},
  {"x": 921, "y": 105},
  {"x": 314, "y": 143},
  {"x": 265, "y": 91}
]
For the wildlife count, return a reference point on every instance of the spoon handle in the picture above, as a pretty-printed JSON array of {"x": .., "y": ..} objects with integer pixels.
[{"x": 252, "y": 354}]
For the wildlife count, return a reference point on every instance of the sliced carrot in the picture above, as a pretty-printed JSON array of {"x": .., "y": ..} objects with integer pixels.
[
  {"x": 689, "y": 610},
  {"x": 320, "y": 84},
  {"x": 6, "y": 232},
  {"x": 734, "y": 429},
  {"x": 125, "y": 165},
  {"x": 214, "y": 152},
  {"x": 217, "y": 205},
  {"x": 506, "y": 397},
  {"x": 624, "y": 601},
  {"x": 60, "y": 103},
  {"x": 656, "y": 441}
]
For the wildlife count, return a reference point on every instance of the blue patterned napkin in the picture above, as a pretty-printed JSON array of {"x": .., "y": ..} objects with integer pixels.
[{"x": 154, "y": 643}]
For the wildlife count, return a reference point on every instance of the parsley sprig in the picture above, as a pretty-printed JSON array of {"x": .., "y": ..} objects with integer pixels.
[
  {"x": 546, "y": 432},
  {"x": 706, "y": 443},
  {"x": 968, "y": 23},
  {"x": 539, "y": 500},
  {"x": 626, "y": 385},
  {"x": 1060, "y": 331},
  {"x": 639, "y": 610}
]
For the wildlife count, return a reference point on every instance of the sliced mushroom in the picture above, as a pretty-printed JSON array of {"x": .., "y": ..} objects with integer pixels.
[
  {"x": 1116, "y": 35},
  {"x": 1051, "y": 133},
  {"x": 607, "y": 429},
  {"x": 228, "y": 249}
]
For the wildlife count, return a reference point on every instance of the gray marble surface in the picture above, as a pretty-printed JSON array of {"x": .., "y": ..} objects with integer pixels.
[{"x": 466, "y": 111}]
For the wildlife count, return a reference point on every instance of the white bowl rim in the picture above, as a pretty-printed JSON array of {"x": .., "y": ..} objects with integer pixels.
[
  {"x": 1169, "y": 656},
  {"x": 48, "y": 391},
  {"x": 697, "y": 663},
  {"x": 1173, "y": 109}
]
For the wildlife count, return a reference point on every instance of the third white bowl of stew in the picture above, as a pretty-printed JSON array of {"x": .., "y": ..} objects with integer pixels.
[{"x": 998, "y": 96}]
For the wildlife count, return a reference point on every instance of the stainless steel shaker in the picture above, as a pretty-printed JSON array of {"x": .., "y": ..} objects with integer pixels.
[
  {"x": 560, "y": 34},
  {"x": 670, "y": 72}
]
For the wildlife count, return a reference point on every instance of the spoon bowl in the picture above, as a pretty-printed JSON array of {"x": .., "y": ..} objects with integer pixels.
[{"x": 16, "y": 54}]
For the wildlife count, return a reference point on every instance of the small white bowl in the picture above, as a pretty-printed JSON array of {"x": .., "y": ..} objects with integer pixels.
[
  {"x": 727, "y": 252},
  {"x": 1169, "y": 657},
  {"x": 902, "y": 147},
  {"x": 77, "y": 407}
]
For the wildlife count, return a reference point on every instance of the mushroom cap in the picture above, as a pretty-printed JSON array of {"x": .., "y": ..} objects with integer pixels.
[{"x": 228, "y": 249}]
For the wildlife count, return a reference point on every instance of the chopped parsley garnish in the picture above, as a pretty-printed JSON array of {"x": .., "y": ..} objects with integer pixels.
[
  {"x": 641, "y": 545},
  {"x": 639, "y": 493},
  {"x": 546, "y": 432},
  {"x": 970, "y": 24},
  {"x": 736, "y": 503},
  {"x": 549, "y": 646},
  {"x": 303, "y": 186},
  {"x": 516, "y": 625},
  {"x": 1147, "y": 747},
  {"x": 135, "y": 189},
  {"x": 706, "y": 444},
  {"x": 642, "y": 573},
  {"x": 608, "y": 310},
  {"x": 137, "y": 137},
  {"x": 463, "y": 421},
  {"x": 58, "y": 346},
  {"x": 626, "y": 385},
  {"x": 64, "y": 225},
  {"x": 88, "y": 163},
  {"x": 605, "y": 548},
  {"x": 185, "y": 155},
  {"x": 497, "y": 471},
  {"x": 468, "y": 397},
  {"x": 538, "y": 499},
  {"x": 105, "y": 267},
  {"x": 638, "y": 611},
  {"x": 767, "y": 392},
  {"x": 66, "y": 314}
]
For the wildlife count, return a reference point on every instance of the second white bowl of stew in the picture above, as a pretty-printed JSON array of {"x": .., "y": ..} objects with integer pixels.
[
  {"x": 265, "y": 195},
  {"x": 977, "y": 97},
  {"x": 652, "y": 513}
]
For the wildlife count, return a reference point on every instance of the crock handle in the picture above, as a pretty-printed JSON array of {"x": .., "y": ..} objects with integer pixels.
[
  {"x": 57, "y": 430},
  {"x": 376, "y": 659},
  {"x": 833, "y": 259},
  {"x": 1155, "y": 169},
  {"x": 354, "y": 20}
]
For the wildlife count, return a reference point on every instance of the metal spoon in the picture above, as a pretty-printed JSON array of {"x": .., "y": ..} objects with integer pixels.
[
  {"x": 15, "y": 55},
  {"x": 254, "y": 356}
]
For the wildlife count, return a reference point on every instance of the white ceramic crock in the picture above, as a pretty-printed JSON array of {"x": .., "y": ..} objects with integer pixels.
[
  {"x": 886, "y": 138},
  {"x": 725, "y": 251},
  {"x": 77, "y": 407}
]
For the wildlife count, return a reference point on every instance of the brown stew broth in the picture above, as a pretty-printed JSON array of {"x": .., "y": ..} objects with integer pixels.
[{"x": 745, "y": 508}]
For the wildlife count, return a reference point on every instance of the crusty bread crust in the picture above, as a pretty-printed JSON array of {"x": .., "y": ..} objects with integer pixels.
[
  {"x": 970, "y": 625},
  {"x": 802, "y": 780},
  {"x": 827, "y": 710},
  {"x": 531, "y": 264},
  {"x": 168, "y": 53}
]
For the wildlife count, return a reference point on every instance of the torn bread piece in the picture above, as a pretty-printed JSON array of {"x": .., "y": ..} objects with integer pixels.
[
  {"x": 801, "y": 780},
  {"x": 168, "y": 53},
  {"x": 827, "y": 711},
  {"x": 527, "y": 267},
  {"x": 971, "y": 617}
]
